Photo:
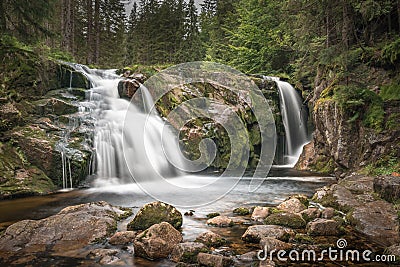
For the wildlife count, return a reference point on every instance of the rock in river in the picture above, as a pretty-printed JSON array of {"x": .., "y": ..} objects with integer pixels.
[
  {"x": 157, "y": 242},
  {"x": 72, "y": 228},
  {"x": 154, "y": 213}
]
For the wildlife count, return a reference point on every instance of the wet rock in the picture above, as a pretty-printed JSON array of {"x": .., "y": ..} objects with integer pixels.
[
  {"x": 260, "y": 213},
  {"x": 292, "y": 205},
  {"x": 211, "y": 239},
  {"x": 387, "y": 187},
  {"x": 310, "y": 214},
  {"x": 323, "y": 227},
  {"x": 54, "y": 106},
  {"x": 105, "y": 256},
  {"x": 127, "y": 88},
  {"x": 270, "y": 243},
  {"x": 220, "y": 221},
  {"x": 210, "y": 260},
  {"x": 242, "y": 211},
  {"x": 157, "y": 242},
  {"x": 122, "y": 238},
  {"x": 187, "y": 252},
  {"x": 377, "y": 220},
  {"x": 255, "y": 233},
  {"x": 291, "y": 220},
  {"x": 72, "y": 228},
  {"x": 154, "y": 213},
  {"x": 328, "y": 213}
]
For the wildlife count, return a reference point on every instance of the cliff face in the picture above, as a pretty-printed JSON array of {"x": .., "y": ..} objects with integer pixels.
[
  {"x": 35, "y": 114},
  {"x": 357, "y": 127}
]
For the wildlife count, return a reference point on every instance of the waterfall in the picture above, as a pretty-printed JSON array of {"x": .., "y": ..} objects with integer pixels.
[
  {"x": 294, "y": 117},
  {"x": 129, "y": 142}
]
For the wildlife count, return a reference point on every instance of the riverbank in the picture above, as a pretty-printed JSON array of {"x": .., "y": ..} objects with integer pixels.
[{"x": 352, "y": 210}]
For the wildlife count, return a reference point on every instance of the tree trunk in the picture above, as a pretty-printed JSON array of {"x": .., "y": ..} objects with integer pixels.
[
  {"x": 89, "y": 55},
  {"x": 347, "y": 25},
  {"x": 97, "y": 30},
  {"x": 3, "y": 22},
  {"x": 398, "y": 13}
]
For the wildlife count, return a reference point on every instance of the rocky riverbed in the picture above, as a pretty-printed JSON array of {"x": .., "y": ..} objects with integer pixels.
[{"x": 360, "y": 211}]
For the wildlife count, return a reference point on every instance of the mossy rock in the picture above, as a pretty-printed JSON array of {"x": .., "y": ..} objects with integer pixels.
[
  {"x": 18, "y": 177},
  {"x": 291, "y": 220},
  {"x": 241, "y": 211},
  {"x": 212, "y": 215},
  {"x": 154, "y": 213}
]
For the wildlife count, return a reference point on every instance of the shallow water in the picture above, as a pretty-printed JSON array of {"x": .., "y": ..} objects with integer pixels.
[{"x": 274, "y": 189}]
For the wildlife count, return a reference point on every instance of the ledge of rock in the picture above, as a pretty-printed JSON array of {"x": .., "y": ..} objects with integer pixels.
[{"x": 73, "y": 228}]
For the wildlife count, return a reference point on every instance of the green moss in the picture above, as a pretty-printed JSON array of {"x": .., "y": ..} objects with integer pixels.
[
  {"x": 275, "y": 210},
  {"x": 286, "y": 219},
  {"x": 212, "y": 215},
  {"x": 241, "y": 211},
  {"x": 303, "y": 239},
  {"x": 324, "y": 165}
]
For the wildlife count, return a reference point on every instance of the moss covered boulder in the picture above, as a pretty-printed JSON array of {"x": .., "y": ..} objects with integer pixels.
[{"x": 154, "y": 213}]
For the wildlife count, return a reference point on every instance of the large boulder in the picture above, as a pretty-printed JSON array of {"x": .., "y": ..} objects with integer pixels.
[
  {"x": 157, "y": 242},
  {"x": 292, "y": 220},
  {"x": 73, "y": 228},
  {"x": 187, "y": 252},
  {"x": 255, "y": 233},
  {"x": 154, "y": 213},
  {"x": 377, "y": 220}
]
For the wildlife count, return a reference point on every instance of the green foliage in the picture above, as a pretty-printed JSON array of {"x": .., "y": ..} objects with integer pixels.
[
  {"x": 391, "y": 52},
  {"x": 385, "y": 165},
  {"x": 390, "y": 92}
]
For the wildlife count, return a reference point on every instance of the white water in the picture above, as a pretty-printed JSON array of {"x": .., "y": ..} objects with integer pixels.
[
  {"x": 129, "y": 144},
  {"x": 294, "y": 120}
]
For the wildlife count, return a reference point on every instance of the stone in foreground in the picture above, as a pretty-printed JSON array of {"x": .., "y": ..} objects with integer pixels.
[
  {"x": 255, "y": 233},
  {"x": 211, "y": 239},
  {"x": 157, "y": 242},
  {"x": 72, "y": 228},
  {"x": 187, "y": 252},
  {"x": 293, "y": 205},
  {"x": 154, "y": 213},
  {"x": 220, "y": 221},
  {"x": 210, "y": 260},
  {"x": 260, "y": 213},
  {"x": 122, "y": 238}
]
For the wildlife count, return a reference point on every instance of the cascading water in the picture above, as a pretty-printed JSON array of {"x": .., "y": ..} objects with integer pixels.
[
  {"x": 294, "y": 117},
  {"x": 127, "y": 141}
]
